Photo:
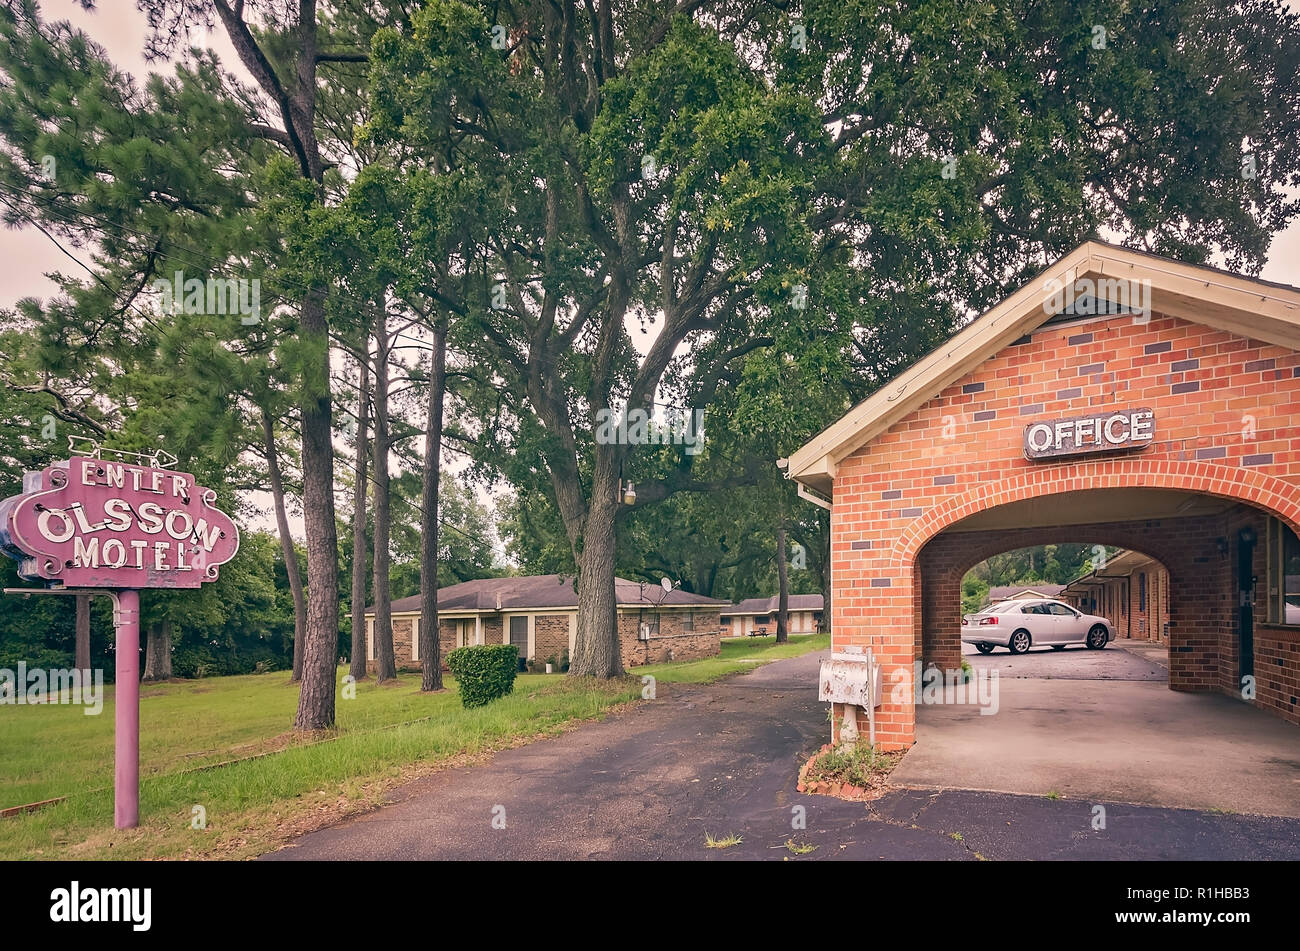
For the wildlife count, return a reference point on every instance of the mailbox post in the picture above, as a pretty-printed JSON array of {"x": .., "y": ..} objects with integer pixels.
[{"x": 852, "y": 678}]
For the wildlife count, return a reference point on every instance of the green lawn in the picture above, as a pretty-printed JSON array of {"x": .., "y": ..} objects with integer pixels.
[{"x": 280, "y": 784}]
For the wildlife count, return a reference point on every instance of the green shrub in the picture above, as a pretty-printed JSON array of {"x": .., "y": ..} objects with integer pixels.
[{"x": 484, "y": 672}]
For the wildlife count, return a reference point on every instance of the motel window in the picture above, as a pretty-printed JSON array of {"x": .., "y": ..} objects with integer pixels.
[
  {"x": 519, "y": 633},
  {"x": 688, "y": 621},
  {"x": 649, "y": 625},
  {"x": 1283, "y": 574}
]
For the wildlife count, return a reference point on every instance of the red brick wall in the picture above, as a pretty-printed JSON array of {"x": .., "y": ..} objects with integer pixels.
[
  {"x": 673, "y": 642},
  {"x": 403, "y": 628},
  {"x": 1226, "y": 409},
  {"x": 550, "y": 636},
  {"x": 1147, "y": 624}
]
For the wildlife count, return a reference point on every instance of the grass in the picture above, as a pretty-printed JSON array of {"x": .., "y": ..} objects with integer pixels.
[
  {"x": 275, "y": 784},
  {"x": 1053, "y": 794},
  {"x": 800, "y": 848},
  {"x": 725, "y": 842},
  {"x": 859, "y": 765}
]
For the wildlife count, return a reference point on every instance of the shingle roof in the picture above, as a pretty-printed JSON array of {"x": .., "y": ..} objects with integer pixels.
[
  {"x": 1002, "y": 592},
  {"x": 542, "y": 591},
  {"x": 758, "y": 606}
]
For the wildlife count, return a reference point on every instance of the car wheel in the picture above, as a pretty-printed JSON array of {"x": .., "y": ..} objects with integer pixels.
[
  {"x": 1097, "y": 638},
  {"x": 1019, "y": 642},
  {"x": 1058, "y": 647},
  {"x": 984, "y": 648}
]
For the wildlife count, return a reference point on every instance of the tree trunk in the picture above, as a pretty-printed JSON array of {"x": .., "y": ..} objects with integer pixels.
[
  {"x": 385, "y": 663},
  {"x": 597, "y": 652},
  {"x": 298, "y": 112},
  {"x": 783, "y": 595},
  {"x": 320, "y": 656},
  {"x": 358, "y": 666},
  {"x": 158, "y": 652},
  {"x": 83, "y": 634},
  {"x": 287, "y": 548},
  {"x": 430, "y": 654}
]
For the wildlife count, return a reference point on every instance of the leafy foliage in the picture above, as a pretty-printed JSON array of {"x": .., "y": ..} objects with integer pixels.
[{"x": 484, "y": 672}]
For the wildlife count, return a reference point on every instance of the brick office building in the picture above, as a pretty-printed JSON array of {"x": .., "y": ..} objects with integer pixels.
[
  {"x": 1170, "y": 426},
  {"x": 539, "y": 615}
]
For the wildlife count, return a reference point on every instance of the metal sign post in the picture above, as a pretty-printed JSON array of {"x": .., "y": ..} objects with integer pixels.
[
  {"x": 126, "y": 712},
  {"x": 118, "y": 525}
]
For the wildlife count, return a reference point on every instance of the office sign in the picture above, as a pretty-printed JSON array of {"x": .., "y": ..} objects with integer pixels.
[
  {"x": 1117, "y": 430},
  {"x": 95, "y": 523}
]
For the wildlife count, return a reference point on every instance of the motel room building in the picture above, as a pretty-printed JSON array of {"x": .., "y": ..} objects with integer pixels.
[
  {"x": 1119, "y": 399},
  {"x": 539, "y": 615},
  {"x": 757, "y": 616},
  {"x": 1131, "y": 591},
  {"x": 1020, "y": 592}
]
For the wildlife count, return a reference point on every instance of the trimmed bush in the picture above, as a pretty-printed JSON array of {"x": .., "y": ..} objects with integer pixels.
[{"x": 484, "y": 672}]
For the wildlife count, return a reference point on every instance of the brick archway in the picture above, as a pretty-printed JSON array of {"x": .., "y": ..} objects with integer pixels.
[
  {"x": 944, "y": 560},
  {"x": 1231, "y": 482},
  {"x": 1203, "y": 649}
]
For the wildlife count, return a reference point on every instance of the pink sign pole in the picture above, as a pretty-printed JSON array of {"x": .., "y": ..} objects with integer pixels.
[{"x": 126, "y": 706}]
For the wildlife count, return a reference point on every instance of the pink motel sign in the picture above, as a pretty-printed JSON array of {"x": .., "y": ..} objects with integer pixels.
[
  {"x": 95, "y": 523},
  {"x": 116, "y": 527}
]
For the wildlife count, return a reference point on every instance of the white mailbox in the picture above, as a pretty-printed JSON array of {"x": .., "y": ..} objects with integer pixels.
[{"x": 851, "y": 678}]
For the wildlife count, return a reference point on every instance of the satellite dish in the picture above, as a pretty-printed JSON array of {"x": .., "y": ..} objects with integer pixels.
[{"x": 667, "y": 585}]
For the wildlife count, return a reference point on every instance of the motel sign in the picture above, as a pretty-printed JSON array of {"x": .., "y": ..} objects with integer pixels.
[
  {"x": 93, "y": 523},
  {"x": 117, "y": 526}
]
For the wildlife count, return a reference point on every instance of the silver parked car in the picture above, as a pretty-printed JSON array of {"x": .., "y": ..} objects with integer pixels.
[{"x": 1020, "y": 625}]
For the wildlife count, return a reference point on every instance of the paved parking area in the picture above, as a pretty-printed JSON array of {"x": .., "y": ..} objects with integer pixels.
[{"x": 1103, "y": 725}]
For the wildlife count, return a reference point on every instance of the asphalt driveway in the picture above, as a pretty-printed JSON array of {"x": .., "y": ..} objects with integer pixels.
[{"x": 721, "y": 759}]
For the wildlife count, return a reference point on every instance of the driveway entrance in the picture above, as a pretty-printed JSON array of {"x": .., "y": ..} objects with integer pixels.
[{"x": 1103, "y": 725}]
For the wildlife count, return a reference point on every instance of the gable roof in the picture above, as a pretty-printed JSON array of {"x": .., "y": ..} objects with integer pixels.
[
  {"x": 543, "y": 591},
  {"x": 1019, "y": 591},
  {"x": 760, "y": 606},
  {"x": 1246, "y": 306}
]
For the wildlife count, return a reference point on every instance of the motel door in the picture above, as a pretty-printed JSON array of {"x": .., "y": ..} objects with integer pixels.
[{"x": 1246, "y": 596}]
